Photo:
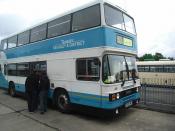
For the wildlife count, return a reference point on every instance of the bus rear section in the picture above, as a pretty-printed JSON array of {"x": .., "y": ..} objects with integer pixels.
[{"x": 3, "y": 78}]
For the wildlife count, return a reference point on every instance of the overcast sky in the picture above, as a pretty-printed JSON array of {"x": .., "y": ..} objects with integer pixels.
[{"x": 155, "y": 19}]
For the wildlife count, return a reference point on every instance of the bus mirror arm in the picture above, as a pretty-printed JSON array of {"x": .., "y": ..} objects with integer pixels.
[
  {"x": 123, "y": 82},
  {"x": 133, "y": 73},
  {"x": 133, "y": 78}
]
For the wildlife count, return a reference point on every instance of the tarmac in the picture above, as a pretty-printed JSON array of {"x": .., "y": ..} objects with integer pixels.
[{"x": 14, "y": 116}]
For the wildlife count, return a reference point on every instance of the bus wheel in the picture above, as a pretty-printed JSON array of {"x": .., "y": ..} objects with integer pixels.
[
  {"x": 62, "y": 101},
  {"x": 11, "y": 89}
]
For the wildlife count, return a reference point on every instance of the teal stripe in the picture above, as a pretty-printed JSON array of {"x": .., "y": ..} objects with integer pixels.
[{"x": 100, "y": 101}]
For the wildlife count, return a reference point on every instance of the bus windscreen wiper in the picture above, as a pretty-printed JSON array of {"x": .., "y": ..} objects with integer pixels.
[{"x": 122, "y": 78}]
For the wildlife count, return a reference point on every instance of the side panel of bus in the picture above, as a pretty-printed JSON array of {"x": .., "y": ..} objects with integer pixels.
[{"x": 62, "y": 73}]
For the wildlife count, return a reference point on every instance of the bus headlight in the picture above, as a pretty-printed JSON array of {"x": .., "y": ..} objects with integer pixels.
[
  {"x": 114, "y": 96},
  {"x": 118, "y": 95},
  {"x": 137, "y": 89}
]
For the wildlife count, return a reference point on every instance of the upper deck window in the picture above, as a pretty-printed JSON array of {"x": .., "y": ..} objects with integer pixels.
[
  {"x": 3, "y": 45},
  {"x": 129, "y": 24},
  {"x": 86, "y": 18},
  {"x": 114, "y": 17},
  {"x": 23, "y": 38},
  {"x": 118, "y": 19},
  {"x": 59, "y": 26},
  {"x": 38, "y": 33},
  {"x": 12, "y": 41}
]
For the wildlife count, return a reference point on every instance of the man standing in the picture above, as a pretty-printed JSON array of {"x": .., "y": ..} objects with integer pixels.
[
  {"x": 31, "y": 89},
  {"x": 43, "y": 92}
]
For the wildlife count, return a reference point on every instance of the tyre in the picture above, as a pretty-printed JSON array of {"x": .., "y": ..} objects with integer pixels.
[
  {"x": 11, "y": 89},
  {"x": 62, "y": 101}
]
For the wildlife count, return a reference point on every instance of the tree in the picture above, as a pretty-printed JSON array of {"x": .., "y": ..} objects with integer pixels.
[
  {"x": 158, "y": 56},
  {"x": 171, "y": 58},
  {"x": 146, "y": 57}
]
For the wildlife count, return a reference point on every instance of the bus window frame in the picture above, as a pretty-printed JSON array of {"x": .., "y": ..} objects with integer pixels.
[
  {"x": 47, "y": 30},
  {"x": 89, "y": 76},
  {"x": 36, "y": 28},
  {"x": 29, "y": 30},
  {"x": 87, "y": 27},
  {"x": 122, "y": 17},
  {"x": 6, "y": 42},
  {"x": 16, "y": 41}
]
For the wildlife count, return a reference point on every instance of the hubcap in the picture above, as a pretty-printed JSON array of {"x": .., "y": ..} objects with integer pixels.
[
  {"x": 11, "y": 91},
  {"x": 62, "y": 101}
]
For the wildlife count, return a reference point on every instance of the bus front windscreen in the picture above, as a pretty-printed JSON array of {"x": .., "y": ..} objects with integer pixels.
[
  {"x": 118, "y": 69},
  {"x": 116, "y": 18}
]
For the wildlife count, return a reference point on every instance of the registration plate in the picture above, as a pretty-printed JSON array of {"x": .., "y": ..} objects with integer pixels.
[{"x": 128, "y": 104}]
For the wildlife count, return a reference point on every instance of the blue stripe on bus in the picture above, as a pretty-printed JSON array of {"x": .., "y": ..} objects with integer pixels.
[
  {"x": 81, "y": 98},
  {"x": 3, "y": 81},
  {"x": 96, "y": 37},
  {"x": 21, "y": 88},
  {"x": 100, "y": 101}
]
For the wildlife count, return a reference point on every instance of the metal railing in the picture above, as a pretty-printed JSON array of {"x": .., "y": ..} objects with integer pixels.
[{"x": 157, "y": 97}]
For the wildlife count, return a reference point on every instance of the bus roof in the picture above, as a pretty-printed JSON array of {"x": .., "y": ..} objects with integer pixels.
[
  {"x": 155, "y": 62},
  {"x": 63, "y": 14}
]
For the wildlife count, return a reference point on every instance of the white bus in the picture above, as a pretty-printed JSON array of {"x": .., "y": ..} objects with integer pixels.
[
  {"x": 157, "y": 72},
  {"x": 89, "y": 55}
]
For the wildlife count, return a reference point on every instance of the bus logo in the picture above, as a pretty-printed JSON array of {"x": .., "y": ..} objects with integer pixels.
[{"x": 69, "y": 44}]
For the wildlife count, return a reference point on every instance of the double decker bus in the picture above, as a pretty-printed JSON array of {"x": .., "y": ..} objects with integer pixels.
[{"x": 88, "y": 53}]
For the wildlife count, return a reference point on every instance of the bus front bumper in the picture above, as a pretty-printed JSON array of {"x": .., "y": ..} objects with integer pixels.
[{"x": 123, "y": 102}]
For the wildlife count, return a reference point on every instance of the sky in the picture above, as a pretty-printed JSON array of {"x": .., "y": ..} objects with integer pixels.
[{"x": 154, "y": 19}]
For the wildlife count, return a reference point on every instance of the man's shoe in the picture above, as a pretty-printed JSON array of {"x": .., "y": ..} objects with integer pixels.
[{"x": 42, "y": 113}]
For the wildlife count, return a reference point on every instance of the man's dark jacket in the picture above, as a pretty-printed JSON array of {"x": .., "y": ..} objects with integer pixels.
[
  {"x": 44, "y": 83},
  {"x": 32, "y": 83}
]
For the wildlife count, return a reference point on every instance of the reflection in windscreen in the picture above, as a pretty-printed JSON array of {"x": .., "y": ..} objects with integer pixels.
[
  {"x": 118, "y": 68},
  {"x": 131, "y": 63}
]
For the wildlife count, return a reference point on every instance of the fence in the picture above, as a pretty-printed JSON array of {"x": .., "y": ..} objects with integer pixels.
[{"x": 158, "y": 97}]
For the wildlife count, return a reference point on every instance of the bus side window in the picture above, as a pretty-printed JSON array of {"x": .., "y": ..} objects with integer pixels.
[
  {"x": 88, "y": 69},
  {"x": 23, "y": 38},
  {"x": 38, "y": 33},
  {"x": 4, "y": 44},
  {"x": 86, "y": 18},
  {"x": 12, "y": 41},
  {"x": 59, "y": 26}
]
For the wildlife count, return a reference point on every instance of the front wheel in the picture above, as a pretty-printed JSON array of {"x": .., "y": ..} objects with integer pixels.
[
  {"x": 62, "y": 101},
  {"x": 11, "y": 89}
]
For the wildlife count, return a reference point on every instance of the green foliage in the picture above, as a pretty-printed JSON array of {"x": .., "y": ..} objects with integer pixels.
[
  {"x": 149, "y": 57},
  {"x": 158, "y": 56}
]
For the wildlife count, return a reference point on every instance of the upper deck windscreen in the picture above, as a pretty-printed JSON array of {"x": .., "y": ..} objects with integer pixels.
[{"x": 116, "y": 18}]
